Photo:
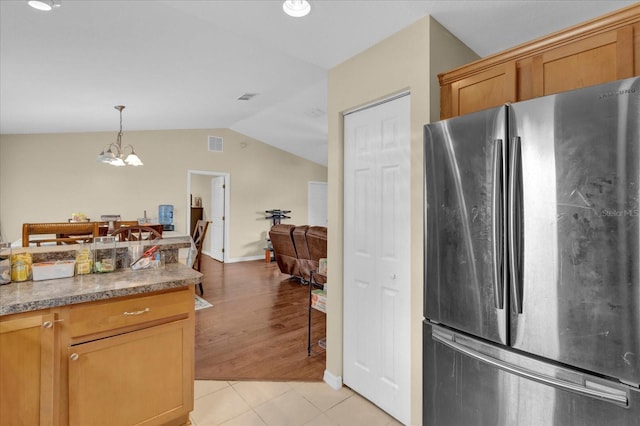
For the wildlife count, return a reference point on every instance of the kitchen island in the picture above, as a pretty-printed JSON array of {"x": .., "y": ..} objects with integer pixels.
[{"x": 113, "y": 348}]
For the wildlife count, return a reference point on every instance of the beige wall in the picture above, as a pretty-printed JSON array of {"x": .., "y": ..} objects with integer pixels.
[
  {"x": 445, "y": 52},
  {"x": 45, "y": 178},
  {"x": 407, "y": 60}
]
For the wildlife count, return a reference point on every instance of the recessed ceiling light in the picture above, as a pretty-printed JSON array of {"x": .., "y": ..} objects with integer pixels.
[
  {"x": 296, "y": 8},
  {"x": 45, "y": 5}
]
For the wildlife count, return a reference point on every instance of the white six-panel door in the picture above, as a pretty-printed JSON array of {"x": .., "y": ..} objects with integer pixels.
[
  {"x": 377, "y": 255},
  {"x": 217, "y": 228}
]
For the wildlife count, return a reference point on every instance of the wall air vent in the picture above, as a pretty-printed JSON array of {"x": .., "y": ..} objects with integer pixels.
[
  {"x": 215, "y": 144},
  {"x": 247, "y": 96}
]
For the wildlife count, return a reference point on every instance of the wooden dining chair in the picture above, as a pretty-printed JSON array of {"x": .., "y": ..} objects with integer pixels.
[
  {"x": 138, "y": 233},
  {"x": 199, "y": 232},
  {"x": 58, "y": 233}
]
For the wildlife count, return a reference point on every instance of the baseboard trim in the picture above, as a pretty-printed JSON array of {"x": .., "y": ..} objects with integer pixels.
[
  {"x": 243, "y": 259},
  {"x": 334, "y": 381},
  {"x": 236, "y": 259}
]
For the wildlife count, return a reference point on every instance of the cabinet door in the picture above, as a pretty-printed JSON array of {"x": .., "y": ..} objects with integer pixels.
[
  {"x": 27, "y": 353},
  {"x": 490, "y": 88},
  {"x": 143, "y": 377},
  {"x": 599, "y": 59}
]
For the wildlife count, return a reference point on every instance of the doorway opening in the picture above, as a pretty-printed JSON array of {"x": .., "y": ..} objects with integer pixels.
[{"x": 212, "y": 189}]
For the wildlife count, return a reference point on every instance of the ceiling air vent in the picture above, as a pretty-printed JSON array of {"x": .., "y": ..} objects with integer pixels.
[
  {"x": 247, "y": 96},
  {"x": 215, "y": 144}
]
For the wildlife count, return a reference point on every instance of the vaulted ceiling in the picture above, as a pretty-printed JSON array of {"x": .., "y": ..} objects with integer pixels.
[{"x": 183, "y": 64}]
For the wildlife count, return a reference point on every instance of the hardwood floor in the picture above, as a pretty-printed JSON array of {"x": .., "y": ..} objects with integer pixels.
[{"x": 257, "y": 328}]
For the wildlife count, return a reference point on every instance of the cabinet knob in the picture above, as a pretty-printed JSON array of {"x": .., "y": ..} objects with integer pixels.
[
  {"x": 49, "y": 324},
  {"x": 74, "y": 356},
  {"x": 393, "y": 276}
]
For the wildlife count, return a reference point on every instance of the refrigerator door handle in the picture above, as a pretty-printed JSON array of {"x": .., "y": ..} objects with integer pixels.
[
  {"x": 514, "y": 213},
  {"x": 496, "y": 214},
  {"x": 587, "y": 388}
]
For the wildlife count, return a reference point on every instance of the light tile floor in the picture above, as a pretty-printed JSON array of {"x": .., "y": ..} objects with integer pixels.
[{"x": 282, "y": 404}]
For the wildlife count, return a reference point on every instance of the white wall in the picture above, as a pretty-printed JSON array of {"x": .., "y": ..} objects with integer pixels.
[{"x": 46, "y": 177}]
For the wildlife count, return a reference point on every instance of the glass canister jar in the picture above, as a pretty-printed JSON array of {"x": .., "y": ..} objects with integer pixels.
[
  {"x": 104, "y": 251},
  {"x": 5, "y": 263},
  {"x": 84, "y": 259},
  {"x": 21, "y": 266}
]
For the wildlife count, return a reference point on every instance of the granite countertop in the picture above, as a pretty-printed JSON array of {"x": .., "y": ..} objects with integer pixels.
[{"x": 33, "y": 295}]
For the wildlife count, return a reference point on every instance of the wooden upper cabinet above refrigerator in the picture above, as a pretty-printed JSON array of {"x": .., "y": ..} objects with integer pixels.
[
  {"x": 597, "y": 51},
  {"x": 486, "y": 89}
]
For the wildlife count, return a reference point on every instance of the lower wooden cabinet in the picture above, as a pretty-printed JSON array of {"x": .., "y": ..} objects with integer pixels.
[
  {"x": 138, "y": 378},
  {"x": 125, "y": 361},
  {"x": 28, "y": 378}
]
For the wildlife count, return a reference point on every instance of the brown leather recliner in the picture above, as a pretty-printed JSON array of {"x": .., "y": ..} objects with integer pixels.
[
  {"x": 298, "y": 249},
  {"x": 284, "y": 249},
  {"x": 305, "y": 263},
  {"x": 317, "y": 246}
]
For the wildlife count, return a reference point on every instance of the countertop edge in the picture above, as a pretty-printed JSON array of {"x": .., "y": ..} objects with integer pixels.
[{"x": 32, "y": 296}]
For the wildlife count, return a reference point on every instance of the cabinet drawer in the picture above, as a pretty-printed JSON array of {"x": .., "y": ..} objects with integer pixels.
[{"x": 111, "y": 315}]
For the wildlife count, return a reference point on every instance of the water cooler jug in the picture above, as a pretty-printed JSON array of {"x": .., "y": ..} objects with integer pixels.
[{"x": 165, "y": 216}]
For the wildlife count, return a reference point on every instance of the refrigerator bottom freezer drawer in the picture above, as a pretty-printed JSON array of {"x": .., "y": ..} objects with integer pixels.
[{"x": 470, "y": 382}]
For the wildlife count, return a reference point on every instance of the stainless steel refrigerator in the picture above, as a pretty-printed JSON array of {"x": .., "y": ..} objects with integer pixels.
[{"x": 532, "y": 288}]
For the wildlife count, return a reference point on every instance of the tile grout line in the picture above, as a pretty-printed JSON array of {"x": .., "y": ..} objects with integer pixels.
[{"x": 290, "y": 388}]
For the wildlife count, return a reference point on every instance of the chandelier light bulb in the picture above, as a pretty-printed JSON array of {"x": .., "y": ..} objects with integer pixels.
[
  {"x": 44, "y": 5},
  {"x": 296, "y": 8}
]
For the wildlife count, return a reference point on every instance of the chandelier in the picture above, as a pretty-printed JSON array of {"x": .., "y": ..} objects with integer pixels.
[{"x": 115, "y": 153}]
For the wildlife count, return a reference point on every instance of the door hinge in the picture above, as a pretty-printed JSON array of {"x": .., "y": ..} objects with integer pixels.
[
  {"x": 223, "y": 250},
  {"x": 224, "y": 186}
]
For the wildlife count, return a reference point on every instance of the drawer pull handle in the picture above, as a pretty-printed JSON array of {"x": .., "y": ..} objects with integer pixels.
[
  {"x": 145, "y": 310},
  {"x": 74, "y": 356}
]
